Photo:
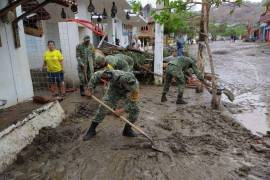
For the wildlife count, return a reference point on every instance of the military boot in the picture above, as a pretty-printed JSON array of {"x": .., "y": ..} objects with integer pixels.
[
  {"x": 128, "y": 132},
  {"x": 91, "y": 131},
  {"x": 180, "y": 100},
  {"x": 163, "y": 98},
  {"x": 82, "y": 90}
]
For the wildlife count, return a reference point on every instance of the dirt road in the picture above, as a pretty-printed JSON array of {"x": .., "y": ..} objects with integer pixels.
[{"x": 201, "y": 144}]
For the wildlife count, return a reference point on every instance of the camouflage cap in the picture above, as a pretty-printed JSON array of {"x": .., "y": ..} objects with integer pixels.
[
  {"x": 131, "y": 81},
  {"x": 86, "y": 38},
  {"x": 99, "y": 59}
]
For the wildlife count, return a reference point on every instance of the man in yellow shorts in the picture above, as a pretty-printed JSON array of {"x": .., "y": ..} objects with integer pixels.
[{"x": 53, "y": 60}]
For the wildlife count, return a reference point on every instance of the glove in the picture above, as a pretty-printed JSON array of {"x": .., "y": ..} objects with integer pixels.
[{"x": 88, "y": 92}]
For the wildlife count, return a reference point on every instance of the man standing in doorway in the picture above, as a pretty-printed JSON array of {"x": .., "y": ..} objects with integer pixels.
[
  {"x": 53, "y": 60},
  {"x": 85, "y": 54}
]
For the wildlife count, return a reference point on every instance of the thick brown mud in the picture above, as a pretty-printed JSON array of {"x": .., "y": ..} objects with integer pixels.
[{"x": 200, "y": 143}]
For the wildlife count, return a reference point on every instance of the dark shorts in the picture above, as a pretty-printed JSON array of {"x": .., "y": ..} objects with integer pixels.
[{"x": 55, "y": 77}]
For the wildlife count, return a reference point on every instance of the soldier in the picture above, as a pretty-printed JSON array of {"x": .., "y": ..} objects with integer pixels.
[
  {"x": 117, "y": 62},
  {"x": 85, "y": 54},
  {"x": 128, "y": 59},
  {"x": 122, "y": 85},
  {"x": 177, "y": 69}
]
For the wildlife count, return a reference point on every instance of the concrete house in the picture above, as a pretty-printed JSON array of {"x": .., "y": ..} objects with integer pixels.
[
  {"x": 20, "y": 51},
  {"x": 265, "y": 24},
  {"x": 22, "y": 47}
]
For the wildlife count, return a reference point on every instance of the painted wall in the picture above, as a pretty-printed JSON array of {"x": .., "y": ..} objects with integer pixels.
[
  {"x": 84, "y": 14},
  {"x": 66, "y": 39},
  {"x": 15, "y": 79},
  {"x": 110, "y": 29},
  {"x": 69, "y": 39},
  {"x": 36, "y": 46},
  {"x": 120, "y": 33}
]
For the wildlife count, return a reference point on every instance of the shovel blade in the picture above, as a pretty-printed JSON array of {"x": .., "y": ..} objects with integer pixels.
[{"x": 229, "y": 94}]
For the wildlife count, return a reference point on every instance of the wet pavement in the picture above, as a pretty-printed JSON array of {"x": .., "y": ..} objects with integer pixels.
[{"x": 244, "y": 68}]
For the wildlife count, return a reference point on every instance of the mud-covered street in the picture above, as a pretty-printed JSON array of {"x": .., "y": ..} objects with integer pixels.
[
  {"x": 244, "y": 68},
  {"x": 200, "y": 143}
]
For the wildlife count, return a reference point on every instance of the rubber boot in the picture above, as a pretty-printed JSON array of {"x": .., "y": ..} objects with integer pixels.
[
  {"x": 163, "y": 98},
  {"x": 128, "y": 132},
  {"x": 91, "y": 132},
  {"x": 180, "y": 100},
  {"x": 82, "y": 90}
]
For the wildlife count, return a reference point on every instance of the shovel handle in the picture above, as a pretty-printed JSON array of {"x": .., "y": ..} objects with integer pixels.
[
  {"x": 150, "y": 71},
  {"x": 85, "y": 75},
  {"x": 123, "y": 118}
]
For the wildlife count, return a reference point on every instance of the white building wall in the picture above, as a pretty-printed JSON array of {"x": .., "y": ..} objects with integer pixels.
[
  {"x": 15, "y": 80},
  {"x": 119, "y": 30},
  {"x": 51, "y": 32},
  {"x": 110, "y": 29},
  {"x": 35, "y": 49},
  {"x": 69, "y": 39},
  {"x": 120, "y": 33},
  {"x": 135, "y": 31},
  {"x": 84, "y": 14},
  {"x": 36, "y": 46}
]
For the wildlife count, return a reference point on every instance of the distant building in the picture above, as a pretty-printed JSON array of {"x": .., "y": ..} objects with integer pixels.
[
  {"x": 265, "y": 25},
  {"x": 147, "y": 32}
]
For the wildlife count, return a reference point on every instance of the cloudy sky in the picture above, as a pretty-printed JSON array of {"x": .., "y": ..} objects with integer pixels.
[{"x": 144, "y": 2}]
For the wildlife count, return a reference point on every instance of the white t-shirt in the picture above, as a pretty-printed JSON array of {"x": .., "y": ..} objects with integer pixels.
[{"x": 139, "y": 45}]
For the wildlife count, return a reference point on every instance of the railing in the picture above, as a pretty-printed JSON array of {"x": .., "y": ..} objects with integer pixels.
[{"x": 265, "y": 18}]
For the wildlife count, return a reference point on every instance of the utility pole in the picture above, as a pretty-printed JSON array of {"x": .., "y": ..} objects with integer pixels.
[{"x": 158, "y": 59}]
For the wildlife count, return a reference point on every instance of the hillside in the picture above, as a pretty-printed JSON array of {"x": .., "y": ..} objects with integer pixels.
[{"x": 248, "y": 12}]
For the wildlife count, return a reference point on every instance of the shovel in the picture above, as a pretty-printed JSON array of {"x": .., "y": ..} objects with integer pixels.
[
  {"x": 131, "y": 124},
  {"x": 85, "y": 75},
  {"x": 223, "y": 90}
]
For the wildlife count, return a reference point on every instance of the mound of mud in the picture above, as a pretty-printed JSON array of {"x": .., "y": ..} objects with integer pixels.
[
  {"x": 202, "y": 144},
  {"x": 46, "y": 141}
]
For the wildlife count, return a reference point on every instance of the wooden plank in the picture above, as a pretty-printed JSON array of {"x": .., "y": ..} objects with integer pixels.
[
  {"x": 12, "y": 6},
  {"x": 16, "y": 35},
  {"x": 38, "y": 7}
]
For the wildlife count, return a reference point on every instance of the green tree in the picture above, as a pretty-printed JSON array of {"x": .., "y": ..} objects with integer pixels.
[
  {"x": 225, "y": 30},
  {"x": 136, "y": 6}
]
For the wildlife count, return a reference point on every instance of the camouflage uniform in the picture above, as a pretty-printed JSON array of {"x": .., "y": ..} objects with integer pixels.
[
  {"x": 116, "y": 91},
  {"x": 85, "y": 56},
  {"x": 128, "y": 59},
  {"x": 178, "y": 68},
  {"x": 117, "y": 63}
]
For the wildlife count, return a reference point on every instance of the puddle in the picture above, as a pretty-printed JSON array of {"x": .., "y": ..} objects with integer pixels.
[
  {"x": 257, "y": 121},
  {"x": 255, "y": 116}
]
